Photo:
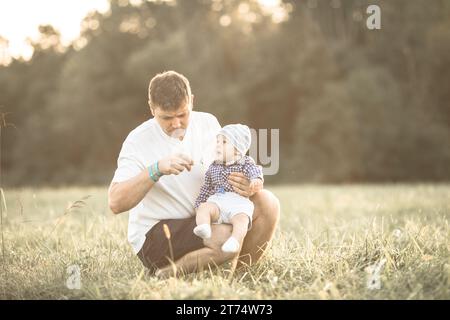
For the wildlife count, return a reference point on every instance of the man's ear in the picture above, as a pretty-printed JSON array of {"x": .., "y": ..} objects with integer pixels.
[
  {"x": 151, "y": 108},
  {"x": 192, "y": 101}
]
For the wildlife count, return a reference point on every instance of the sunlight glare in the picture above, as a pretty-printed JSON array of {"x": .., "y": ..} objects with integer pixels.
[{"x": 19, "y": 20}]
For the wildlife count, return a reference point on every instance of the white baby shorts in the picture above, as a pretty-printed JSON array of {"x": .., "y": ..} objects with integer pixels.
[{"x": 230, "y": 204}]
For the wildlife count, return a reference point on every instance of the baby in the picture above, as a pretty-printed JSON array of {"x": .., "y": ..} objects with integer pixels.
[{"x": 217, "y": 202}]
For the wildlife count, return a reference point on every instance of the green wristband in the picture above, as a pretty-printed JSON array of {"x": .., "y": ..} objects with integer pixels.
[
  {"x": 156, "y": 169},
  {"x": 152, "y": 174}
]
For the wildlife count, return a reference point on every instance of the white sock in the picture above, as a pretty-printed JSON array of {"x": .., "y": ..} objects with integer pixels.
[
  {"x": 203, "y": 231},
  {"x": 231, "y": 245}
]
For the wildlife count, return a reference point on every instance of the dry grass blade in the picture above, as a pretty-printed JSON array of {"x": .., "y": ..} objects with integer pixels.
[
  {"x": 72, "y": 207},
  {"x": 2, "y": 205}
]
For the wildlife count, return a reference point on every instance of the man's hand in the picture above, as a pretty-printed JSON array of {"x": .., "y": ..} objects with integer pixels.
[
  {"x": 175, "y": 164},
  {"x": 256, "y": 185},
  {"x": 243, "y": 186},
  {"x": 123, "y": 196}
]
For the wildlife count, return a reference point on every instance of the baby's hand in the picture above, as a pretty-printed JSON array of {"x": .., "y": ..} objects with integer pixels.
[{"x": 256, "y": 185}]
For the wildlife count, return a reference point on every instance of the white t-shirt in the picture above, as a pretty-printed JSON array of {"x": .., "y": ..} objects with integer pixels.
[{"x": 173, "y": 196}]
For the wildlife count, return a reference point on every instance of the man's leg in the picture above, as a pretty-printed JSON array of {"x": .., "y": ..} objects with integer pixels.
[
  {"x": 265, "y": 219},
  {"x": 211, "y": 255}
]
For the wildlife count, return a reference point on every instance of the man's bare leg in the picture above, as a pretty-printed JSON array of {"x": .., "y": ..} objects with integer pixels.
[
  {"x": 265, "y": 219},
  {"x": 198, "y": 260}
]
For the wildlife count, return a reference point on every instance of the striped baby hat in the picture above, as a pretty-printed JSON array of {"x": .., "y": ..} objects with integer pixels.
[{"x": 239, "y": 136}]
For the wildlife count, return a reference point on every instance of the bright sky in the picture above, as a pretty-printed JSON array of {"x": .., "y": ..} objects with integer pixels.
[{"x": 20, "y": 19}]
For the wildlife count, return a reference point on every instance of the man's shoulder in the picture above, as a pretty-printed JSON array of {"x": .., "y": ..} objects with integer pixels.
[
  {"x": 205, "y": 118},
  {"x": 144, "y": 128}
]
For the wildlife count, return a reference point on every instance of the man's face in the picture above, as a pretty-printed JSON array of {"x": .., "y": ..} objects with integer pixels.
[{"x": 173, "y": 123}]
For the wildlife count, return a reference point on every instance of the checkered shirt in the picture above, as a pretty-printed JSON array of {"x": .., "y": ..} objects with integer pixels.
[{"x": 216, "y": 177}]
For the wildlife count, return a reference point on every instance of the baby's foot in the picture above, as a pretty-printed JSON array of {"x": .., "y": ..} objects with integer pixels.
[
  {"x": 203, "y": 231},
  {"x": 231, "y": 245}
]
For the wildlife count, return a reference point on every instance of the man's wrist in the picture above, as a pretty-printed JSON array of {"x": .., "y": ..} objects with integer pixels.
[
  {"x": 153, "y": 172},
  {"x": 158, "y": 172}
]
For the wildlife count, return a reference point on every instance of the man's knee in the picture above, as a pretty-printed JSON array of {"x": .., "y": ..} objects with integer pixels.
[
  {"x": 222, "y": 256},
  {"x": 220, "y": 233},
  {"x": 267, "y": 206}
]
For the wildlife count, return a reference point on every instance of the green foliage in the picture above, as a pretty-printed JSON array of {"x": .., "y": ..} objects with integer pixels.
[{"x": 352, "y": 104}]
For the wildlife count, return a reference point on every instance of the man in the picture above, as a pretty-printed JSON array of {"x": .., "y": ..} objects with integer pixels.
[{"x": 160, "y": 171}]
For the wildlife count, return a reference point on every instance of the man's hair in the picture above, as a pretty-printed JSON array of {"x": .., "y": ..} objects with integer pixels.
[{"x": 168, "y": 90}]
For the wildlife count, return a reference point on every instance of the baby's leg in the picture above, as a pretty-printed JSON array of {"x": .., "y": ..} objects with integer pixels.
[
  {"x": 240, "y": 223},
  {"x": 206, "y": 213}
]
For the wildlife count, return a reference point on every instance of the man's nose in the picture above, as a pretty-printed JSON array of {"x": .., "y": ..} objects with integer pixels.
[{"x": 176, "y": 123}]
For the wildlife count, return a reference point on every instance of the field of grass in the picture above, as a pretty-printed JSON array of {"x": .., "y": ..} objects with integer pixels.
[{"x": 327, "y": 241}]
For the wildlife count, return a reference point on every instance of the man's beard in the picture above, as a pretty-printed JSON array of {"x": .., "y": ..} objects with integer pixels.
[{"x": 178, "y": 133}]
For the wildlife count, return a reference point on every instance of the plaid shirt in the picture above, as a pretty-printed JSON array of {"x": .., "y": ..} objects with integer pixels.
[{"x": 216, "y": 177}]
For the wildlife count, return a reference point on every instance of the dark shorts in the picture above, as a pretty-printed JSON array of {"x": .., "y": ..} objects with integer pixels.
[{"x": 155, "y": 252}]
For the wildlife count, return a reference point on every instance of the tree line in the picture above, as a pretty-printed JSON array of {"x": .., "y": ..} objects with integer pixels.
[{"x": 352, "y": 104}]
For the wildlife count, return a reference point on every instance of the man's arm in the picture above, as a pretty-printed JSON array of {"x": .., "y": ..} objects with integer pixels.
[{"x": 122, "y": 196}]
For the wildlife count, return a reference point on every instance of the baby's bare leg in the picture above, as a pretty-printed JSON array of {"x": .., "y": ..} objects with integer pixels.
[
  {"x": 240, "y": 226},
  {"x": 206, "y": 213},
  {"x": 240, "y": 223}
]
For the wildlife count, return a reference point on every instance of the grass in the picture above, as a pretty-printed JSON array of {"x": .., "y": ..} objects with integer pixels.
[{"x": 328, "y": 238}]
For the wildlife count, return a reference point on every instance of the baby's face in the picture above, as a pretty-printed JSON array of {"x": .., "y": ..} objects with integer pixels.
[{"x": 225, "y": 151}]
